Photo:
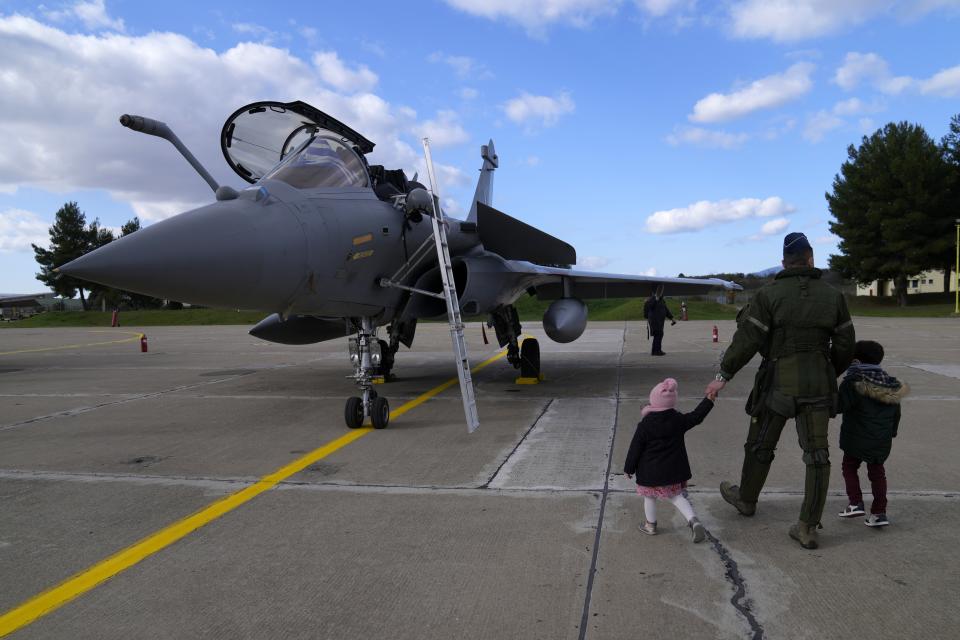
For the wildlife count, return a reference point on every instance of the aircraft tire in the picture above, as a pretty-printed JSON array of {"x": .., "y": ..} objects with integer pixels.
[
  {"x": 353, "y": 412},
  {"x": 530, "y": 358},
  {"x": 380, "y": 413}
]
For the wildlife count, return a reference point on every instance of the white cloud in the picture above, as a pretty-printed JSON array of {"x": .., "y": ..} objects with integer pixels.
[
  {"x": 253, "y": 30},
  {"x": 765, "y": 93},
  {"x": 793, "y": 20},
  {"x": 61, "y": 94},
  {"x": 943, "y": 83},
  {"x": 869, "y": 68},
  {"x": 463, "y": 66},
  {"x": 593, "y": 263},
  {"x": 444, "y": 130},
  {"x": 93, "y": 15},
  {"x": 652, "y": 271},
  {"x": 819, "y": 124},
  {"x": 825, "y": 240},
  {"x": 468, "y": 93},
  {"x": 659, "y": 8},
  {"x": 334, "y": 72},
  {"x": 19, "y": 229},
  {"x": 534, "y": 15},
  {"x": 543, "y": 110},
  {"x": 849, "y": 107},
  {"x": 532, "y": 161},
  {"x": 866, "y": 125},
  {"x": 705, "y": 212},
  {"x": 701, "y": 137},
  {"x": 771, "y": 228},
  {"x": 451, "y": 207}
]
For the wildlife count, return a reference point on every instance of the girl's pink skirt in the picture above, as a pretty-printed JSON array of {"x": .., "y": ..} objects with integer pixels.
[{"x": 666, "y": 492}]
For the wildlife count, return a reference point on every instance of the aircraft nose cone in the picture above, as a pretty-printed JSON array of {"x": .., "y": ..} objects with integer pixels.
[{"x": 236, "y": 254}]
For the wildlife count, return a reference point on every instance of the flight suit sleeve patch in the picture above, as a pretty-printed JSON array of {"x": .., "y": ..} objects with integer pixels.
[{"x": 758, "y": 323}]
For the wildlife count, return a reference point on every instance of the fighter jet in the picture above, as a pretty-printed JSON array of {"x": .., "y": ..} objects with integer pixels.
[{"x": 332, "y": 246}]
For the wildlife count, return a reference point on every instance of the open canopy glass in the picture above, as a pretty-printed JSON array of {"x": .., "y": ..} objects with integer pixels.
[{"x": 257, "y": 137}]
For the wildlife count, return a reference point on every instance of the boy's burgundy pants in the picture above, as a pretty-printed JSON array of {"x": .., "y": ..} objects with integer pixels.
[{"x": 878, "y": 483}]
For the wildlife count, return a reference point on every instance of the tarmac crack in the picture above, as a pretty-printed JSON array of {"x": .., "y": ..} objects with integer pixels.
[
  {"x": 585, "y": 617},
  {"x": 546, "y": 407},
  {"x": 739, "y": 599}
]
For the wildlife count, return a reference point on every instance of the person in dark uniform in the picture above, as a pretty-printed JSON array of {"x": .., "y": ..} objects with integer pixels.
[
  {"x": 655, "y": 311},
  {"x": 802, "y": 328}
]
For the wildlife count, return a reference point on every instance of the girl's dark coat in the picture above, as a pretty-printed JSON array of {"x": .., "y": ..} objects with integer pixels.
[{"x": 657, "y": 453}]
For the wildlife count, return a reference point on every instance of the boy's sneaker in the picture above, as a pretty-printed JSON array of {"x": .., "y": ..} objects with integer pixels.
[
  {"x": 877, "y": 520},
  {"x": 852, "y": 510},
  {"x": 649, "y": 528}
]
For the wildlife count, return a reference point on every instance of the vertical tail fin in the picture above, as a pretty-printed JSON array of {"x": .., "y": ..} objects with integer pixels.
[{"x": 484, "y": 192}]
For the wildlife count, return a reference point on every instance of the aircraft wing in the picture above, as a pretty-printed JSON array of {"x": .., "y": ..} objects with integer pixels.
[{"x": 549, "y": 283}]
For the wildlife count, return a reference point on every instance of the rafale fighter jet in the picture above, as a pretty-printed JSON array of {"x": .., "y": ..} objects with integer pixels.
[{"x": 332, "y": 246}]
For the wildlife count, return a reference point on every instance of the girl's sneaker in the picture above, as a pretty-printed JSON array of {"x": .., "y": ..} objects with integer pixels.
[
  {"x": 699, "y": 533},
  {"x": 649, "y": 528},
  {"x": 877, "y": 520},
  {"x": 852, "y": 510}
]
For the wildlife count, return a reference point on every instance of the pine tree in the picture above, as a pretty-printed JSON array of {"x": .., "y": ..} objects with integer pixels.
[
  {"x": 69, "y": 239},
  {"x": 891, "y": 204},
  {"x": 950, "y": 145}
]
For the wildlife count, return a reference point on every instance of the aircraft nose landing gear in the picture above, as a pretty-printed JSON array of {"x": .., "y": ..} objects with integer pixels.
[{"x": 367, "y": 356}]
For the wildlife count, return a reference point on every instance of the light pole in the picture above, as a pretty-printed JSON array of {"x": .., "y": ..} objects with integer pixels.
[{"x": 956, "y": 276}]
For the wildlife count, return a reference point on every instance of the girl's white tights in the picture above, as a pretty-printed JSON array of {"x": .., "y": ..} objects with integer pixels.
[{"x": 680, "y": 502}]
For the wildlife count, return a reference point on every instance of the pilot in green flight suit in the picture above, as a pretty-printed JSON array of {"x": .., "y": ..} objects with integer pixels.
[{"x": 801, "y": 327}]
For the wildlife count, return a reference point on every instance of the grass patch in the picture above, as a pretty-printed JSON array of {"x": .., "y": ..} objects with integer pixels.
[
  {"x": 928, "y": 305},
  {"x": 920, "y": 305},
  {"x": 148, "y": 318}
]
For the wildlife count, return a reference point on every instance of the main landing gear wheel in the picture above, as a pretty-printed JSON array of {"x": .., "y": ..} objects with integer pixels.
[
  {"x": 353, "y": 412},
  {"x": 380, "y": 413},
  {"x": 530, "y": 358}
]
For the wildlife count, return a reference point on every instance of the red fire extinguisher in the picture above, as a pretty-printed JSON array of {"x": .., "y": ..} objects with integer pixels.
[
  {"x": 716, "y": 334},
  {"x": 115, "y": 318},
  {"x": 143, "y": 342}
]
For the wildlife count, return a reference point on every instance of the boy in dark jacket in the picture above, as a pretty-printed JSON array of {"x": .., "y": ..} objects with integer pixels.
[
  {"x": 659, "y": 458},
  {"x": 870, "y": 404}
]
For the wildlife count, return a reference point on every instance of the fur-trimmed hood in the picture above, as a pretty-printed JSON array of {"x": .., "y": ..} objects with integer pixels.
[{"x": 886, "y": 395}]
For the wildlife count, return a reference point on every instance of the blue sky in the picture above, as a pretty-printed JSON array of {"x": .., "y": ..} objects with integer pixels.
[{"x": 656, "y": 136}]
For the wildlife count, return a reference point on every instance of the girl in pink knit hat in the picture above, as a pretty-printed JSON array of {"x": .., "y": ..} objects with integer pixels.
[{"x": 659, "y": 458}]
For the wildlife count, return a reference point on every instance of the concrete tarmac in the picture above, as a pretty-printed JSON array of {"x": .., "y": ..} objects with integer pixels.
[{"x": 524, "y": 529}]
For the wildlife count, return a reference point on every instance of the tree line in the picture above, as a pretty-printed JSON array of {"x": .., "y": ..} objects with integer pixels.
[
  {"x": 894, "y": 203},
  {"x": 70, "y": 238}
]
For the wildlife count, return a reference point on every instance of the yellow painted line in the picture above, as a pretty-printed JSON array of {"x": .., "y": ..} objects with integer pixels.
[
  {"x": 75, "y": 346},
  {"x": 54, "y": 598}
]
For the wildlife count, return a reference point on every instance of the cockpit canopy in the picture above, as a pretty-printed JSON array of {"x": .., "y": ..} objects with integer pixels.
[
  {"x": 321, "y": 161},
  {"x": 260, "y": 136}
]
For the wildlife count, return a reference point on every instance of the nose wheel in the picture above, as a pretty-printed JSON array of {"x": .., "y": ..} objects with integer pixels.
[
  {"x": 367, "y": 356},
  {"x": 379, "y": 412}
]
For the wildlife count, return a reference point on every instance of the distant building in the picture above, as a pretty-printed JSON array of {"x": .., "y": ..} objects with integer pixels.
[
  {"x": 14, "y": 306},
  {"x": 926, "y": 282}
]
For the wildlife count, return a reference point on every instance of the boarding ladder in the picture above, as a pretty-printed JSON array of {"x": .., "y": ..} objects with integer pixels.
[{"x": 450, "y": 295}]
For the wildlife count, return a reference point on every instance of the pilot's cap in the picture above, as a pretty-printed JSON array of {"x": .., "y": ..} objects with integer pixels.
[{"x": 795, "y": 244}]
